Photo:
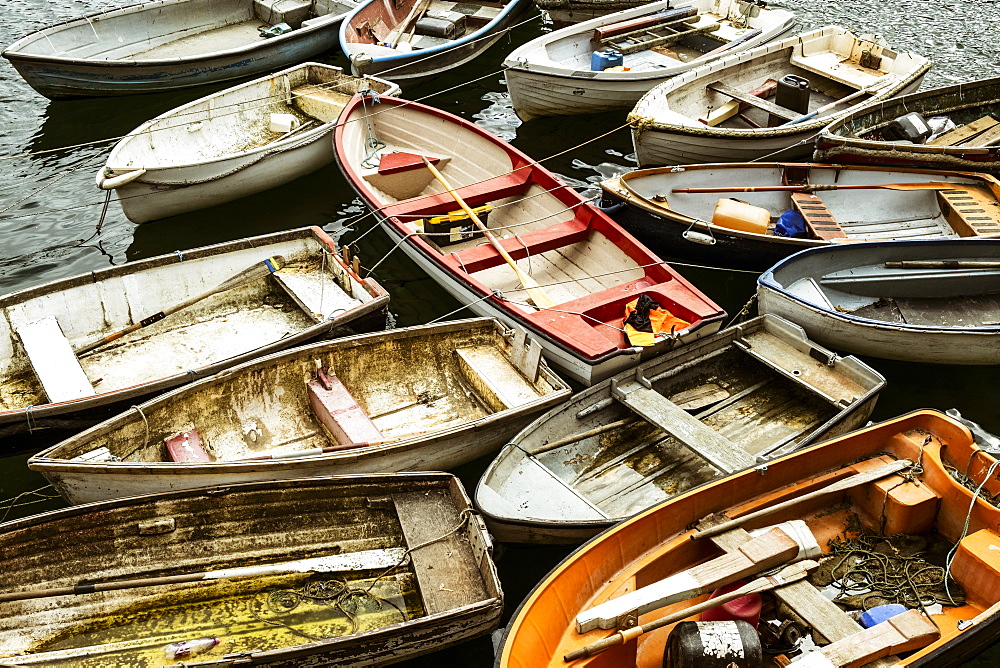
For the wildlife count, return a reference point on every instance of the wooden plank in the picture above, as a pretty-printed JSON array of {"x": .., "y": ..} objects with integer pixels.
[
  {"x": 818, "y": 218},
  {"x": 602, "y": 33},
  {"x": 988, "y": 138},
  {"x": 494, "y": 378},
  {"x": 759, "y": 554},
  {"x": 903, "y": 633},
  {"x": 53, "y": 360},
  {"x": 769, "y": 107},
  {"x": 446, "y": 570},
  {"x": 717, "y": 450},
  {"x": 965, "y": 133},
  {"x": 820, "y": 613},
  {"x": 657, "y": 39}
]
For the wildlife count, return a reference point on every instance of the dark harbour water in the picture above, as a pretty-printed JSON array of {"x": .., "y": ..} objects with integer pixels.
[{"x": 50, "y": 209}]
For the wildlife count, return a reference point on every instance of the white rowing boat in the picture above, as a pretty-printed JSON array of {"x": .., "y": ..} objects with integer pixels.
[
  {"x": 239, "y": 141},
  {"x": 730, "y": 111},
  {"x": 553, "y": 74}
]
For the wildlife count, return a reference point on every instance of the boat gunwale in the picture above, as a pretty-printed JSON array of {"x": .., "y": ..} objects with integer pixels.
[
  {"x": 671, "y": 215},
  {"x": 278, "y": 146},
  {"x": 11, "y": 53},
  {"x": 767, "y": 281},
  {"x": 46, "y": 462}
]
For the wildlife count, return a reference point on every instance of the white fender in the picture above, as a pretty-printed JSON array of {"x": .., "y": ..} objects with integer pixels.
[{"x": 105, "y": 183}]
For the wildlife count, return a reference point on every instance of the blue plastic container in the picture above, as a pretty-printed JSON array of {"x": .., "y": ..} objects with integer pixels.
[
  {"x": 602, "y": 60},
  {"x": 880, "y": 613}
]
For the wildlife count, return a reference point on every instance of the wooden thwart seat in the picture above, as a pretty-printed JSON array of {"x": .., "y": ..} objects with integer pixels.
[
  {"x": 495, "y": 380},
  {"x": 716, "y": 449},
  {"x": 754, "y": 101},
  {"x": 981, "y": 132},
  {"x": 533, "y": 242},
  {"x": 340, "y": 413},
  {"x": 818, "y": 218},
  {"x": 53, "y": 360},
  {"x": 971, "y": 213}
]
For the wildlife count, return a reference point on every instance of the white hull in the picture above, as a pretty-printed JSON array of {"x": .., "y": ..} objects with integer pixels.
[
  {"x": 847, "y": 298},
  {"x": 220, "y": 148},
  {"x": 551, "y": 74}
]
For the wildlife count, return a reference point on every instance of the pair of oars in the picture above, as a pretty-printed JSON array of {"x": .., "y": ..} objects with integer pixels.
[{"x": 786, "y": 575}]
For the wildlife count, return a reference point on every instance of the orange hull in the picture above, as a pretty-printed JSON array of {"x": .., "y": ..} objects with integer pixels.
[{"x": 656, "y": 543}]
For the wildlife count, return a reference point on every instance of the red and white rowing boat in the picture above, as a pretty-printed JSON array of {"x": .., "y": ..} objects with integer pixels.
[{"x": 550, "y": 262}]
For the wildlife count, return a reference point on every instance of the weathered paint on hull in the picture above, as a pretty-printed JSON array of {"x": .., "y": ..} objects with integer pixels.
[
  {"x": 58, "y": 79},
  {"x": 175, "y": 190}
]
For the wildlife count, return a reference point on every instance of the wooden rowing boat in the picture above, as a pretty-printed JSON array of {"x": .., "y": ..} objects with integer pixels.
[
  {"x": 657, "y": 205},
  {"x": 737, "y": 398},
  {"x": 865, "y": 135},
  {"x": 232, "y": 143},
  {"x": 841, "y": 491},
  {"x": 587, "y": 266},
  {"x": 721, "y": 111},
  {"x": 61, "y": 355},
  {"x": 932, "y": 301},
  {"x": 170, "y": 44},
  {"x": 413, "y": 399},
  {"x": 326, "y": 571},
  {"x": 413, "y": 41},
  {"x": 553, "y": 74}
]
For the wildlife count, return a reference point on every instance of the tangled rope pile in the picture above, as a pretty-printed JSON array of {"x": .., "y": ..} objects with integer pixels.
[{"x": 872, "y": 569}]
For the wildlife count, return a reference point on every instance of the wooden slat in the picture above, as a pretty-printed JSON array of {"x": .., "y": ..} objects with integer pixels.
[
  {"x": 656, "y": 39},
  {"x": 769, "y": 107},
  {"x": 56, "y": 365},
  {"x": 818, "y": 218},
  {"x": 965, "y": 133},
  {"x": 816, "y": 610},
  {"x": 717, "y": 450},
  {"x": 903, "y": 633},
  {"x": 446, "y": 570}
]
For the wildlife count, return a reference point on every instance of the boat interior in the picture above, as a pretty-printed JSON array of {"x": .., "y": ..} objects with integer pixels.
[
  {"x": 942, "y": 294},
  {"x": 896, "y": 206},
  {"x": 660, "y": 40},
  {"x": 42, "y": 329},
  {"x": 760, "y": 390},
  {"x": 436, "y": 382},
  {"x": 240, "y": 120},
  {"x": 393, "y": 27},
  {"x": 965, "y": 106},
  {"x": 750, "y": 93},
  {"x": 361, "y": 529},
  {"x": 584, "y": 262},
  {"x": 177, "y": 28},
  {"x": 913, "y": 521}
]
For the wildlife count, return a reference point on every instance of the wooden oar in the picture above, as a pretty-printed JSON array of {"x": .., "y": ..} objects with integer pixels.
[
  {"x": 943, "y": 264},
  {"x": 259, "y": 270},
  {"x": 856, "y": 94},
  {"x": 855, "y": 480},
  {"x": 534, "y": 290},
  {"x": 816, "y": 187},
  {"x": 333, "y": 563},
  {"x": 786, "y": 575}
]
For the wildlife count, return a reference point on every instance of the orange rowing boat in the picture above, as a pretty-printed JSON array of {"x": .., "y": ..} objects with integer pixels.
[{"x": 919, "y": 476}]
